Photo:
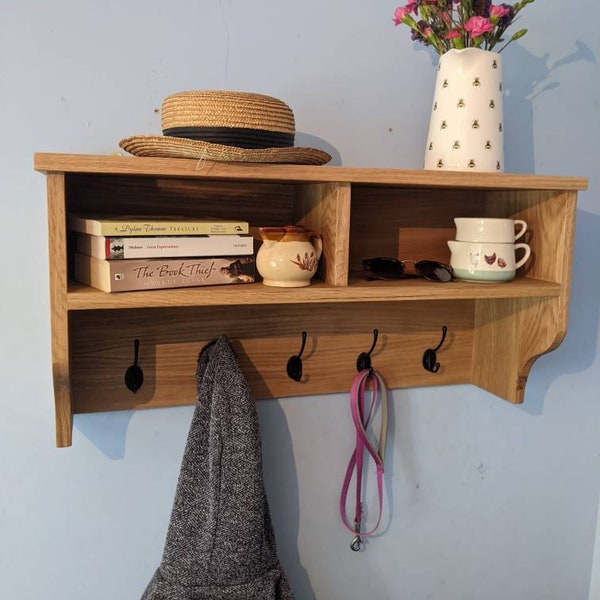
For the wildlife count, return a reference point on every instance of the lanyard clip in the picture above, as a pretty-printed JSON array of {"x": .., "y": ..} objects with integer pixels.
[{"x": 356, "y": 542}]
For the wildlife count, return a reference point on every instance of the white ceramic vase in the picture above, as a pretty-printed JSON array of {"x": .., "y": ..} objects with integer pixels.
[{"x": 466, "y": 126}]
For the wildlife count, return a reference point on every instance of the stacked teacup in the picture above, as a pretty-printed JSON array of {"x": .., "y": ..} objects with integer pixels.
[{"x": 485, "y": 250}]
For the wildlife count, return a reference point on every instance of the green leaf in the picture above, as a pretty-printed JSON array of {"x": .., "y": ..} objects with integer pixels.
[{"x": 519, "y": 34}]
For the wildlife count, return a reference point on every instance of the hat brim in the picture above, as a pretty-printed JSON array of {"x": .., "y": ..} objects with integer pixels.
[{"x": 173, "y": 147}]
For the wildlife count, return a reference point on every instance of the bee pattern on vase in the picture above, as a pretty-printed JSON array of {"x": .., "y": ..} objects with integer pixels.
[
  {"x": 476, "y": 82},
  {"x": 461, "y": 103},
  {"x": 492, "y": 103},
  {"x": 488, "y": 145},
  {"x": 445, "y": 84},
  {"x": 443, "y": 125},
  {"x": 472, "y": 164},
  {"x": 475, "y": 124},
  {"x": 440, "y": 164},
  {"x": 456, "y": 145}
]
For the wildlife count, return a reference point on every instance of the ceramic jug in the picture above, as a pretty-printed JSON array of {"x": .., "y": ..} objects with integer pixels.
[
  {"x": 289, "y": 256},
  {"x": 465, "y": 129}
]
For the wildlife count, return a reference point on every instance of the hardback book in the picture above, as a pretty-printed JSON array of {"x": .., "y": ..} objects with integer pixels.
[
  {"x": 176, "y": 246},
  {"x": 155, "y": 225},
  {"x": 155, "y": 273}
]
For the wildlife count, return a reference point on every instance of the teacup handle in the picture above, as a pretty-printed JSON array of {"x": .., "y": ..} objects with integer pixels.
[
  {"x": 523, "y": 260},
  {"x": 521, "y": 231}
]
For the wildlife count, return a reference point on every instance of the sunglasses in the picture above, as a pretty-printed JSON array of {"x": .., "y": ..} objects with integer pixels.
[{"x": 392, "y": 268}]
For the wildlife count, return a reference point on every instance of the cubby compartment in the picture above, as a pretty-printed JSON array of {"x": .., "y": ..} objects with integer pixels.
[{"x": 494, "y": 331}]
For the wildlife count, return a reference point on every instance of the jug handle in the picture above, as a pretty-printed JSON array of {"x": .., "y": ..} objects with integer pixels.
[{"x": 317, "y": 241}]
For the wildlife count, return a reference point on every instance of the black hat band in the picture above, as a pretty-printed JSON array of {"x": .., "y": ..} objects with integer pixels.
[{"x": 234, "y": 136}]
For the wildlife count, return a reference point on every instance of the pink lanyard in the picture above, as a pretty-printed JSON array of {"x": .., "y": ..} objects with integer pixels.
[{"x": 362, "y": 413}]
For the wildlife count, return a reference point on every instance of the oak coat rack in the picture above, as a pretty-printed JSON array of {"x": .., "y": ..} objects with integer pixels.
[{"x": 495, "y": 331}]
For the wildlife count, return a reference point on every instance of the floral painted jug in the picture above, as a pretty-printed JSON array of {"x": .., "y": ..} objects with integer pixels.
[
  {"x": 289, "y": 256},
  {"x": 466, "y": 126}
]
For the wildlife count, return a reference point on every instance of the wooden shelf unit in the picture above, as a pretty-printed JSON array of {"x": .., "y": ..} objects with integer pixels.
[{"x": 495, "y": 331}]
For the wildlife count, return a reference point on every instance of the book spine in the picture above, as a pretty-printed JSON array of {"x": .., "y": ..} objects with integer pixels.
[
  {"x": 114, "y": 248},
  {"x": 156, "y": 227},
  {"x": 133, "y": 275}
]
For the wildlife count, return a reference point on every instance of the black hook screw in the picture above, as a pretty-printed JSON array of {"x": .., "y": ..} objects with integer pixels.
[
  {"x": 134, "y": 376},
  {"x": 364, "y": 358},
  {"x": 429, "y": 357},
  {"x": 294, "y": 364}
]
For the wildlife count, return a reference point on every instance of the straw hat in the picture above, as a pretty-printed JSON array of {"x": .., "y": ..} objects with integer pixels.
[{"x": 225, "y": 126}]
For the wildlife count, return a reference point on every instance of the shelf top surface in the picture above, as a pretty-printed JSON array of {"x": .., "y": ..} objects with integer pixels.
[
  {"x": 82, "y": 297},
  {"x": 168, "y": 167}
]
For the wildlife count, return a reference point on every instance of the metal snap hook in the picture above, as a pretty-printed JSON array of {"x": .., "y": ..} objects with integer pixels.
[{"x": 356, "y": 543}]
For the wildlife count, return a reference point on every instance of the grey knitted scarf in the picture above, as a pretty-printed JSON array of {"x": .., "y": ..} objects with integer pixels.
[{"x": 220, "y": 543}]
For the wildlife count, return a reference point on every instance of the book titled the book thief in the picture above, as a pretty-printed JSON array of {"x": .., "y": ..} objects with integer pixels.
[{"x": 151, "y": 274}]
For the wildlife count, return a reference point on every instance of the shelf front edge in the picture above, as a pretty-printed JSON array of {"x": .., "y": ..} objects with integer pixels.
[{"x": 86, "y": 298}]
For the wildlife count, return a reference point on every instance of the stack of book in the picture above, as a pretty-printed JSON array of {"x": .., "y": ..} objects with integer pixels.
[{"x": 120, "y": 254}]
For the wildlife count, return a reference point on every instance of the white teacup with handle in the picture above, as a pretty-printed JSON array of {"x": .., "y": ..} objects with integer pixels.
[
  {"x": 485, "y": 229},
  {"x": 486, "y": 261}
]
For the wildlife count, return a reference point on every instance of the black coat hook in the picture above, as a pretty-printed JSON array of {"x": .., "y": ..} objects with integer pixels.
[
  {"x": 134, "y": 376},
  {"x": 429, "y": 357},
  {"x": 294, "y": 364},
  {"x": 364, "y": 358}
]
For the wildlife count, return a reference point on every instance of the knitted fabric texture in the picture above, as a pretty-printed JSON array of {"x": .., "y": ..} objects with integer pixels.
[{"x": 220, "y": 543}]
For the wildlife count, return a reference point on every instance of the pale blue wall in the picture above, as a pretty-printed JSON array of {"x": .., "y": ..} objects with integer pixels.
[{"x": 488, "y": 500}]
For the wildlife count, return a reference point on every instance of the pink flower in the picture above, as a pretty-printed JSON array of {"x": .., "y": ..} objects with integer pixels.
[
  {"x": 402, "y": 11},
  {"x": 497, "y": 12},
  {"x": 448, "y": 24},
  {"x": 453, "y": 33},
  {"x": 446, "y": 18},
  {"x": 399, "y": 15},
  {"x": 477, "y": 26}
]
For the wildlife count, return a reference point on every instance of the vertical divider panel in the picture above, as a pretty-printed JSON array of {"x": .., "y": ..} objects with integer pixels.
[
  {"x": 57, "y": 241},
  {"x": 325, "y": 208}
]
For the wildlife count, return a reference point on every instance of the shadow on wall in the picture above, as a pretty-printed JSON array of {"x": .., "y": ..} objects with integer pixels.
[
  {"x": 305, "y": 140},
  {"x": 281, "y": 482},
  {"x": 525, "y": 78},
  {"x": 107, "y": 431}
]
